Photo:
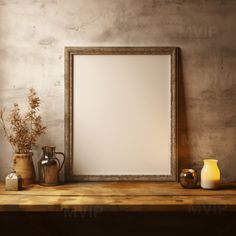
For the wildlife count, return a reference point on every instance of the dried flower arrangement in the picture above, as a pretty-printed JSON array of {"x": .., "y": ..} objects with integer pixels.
[{"x": 24, "y": 130}]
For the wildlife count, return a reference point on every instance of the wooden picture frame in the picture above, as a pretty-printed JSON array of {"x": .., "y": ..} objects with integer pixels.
[{"x": 100, "y": 67}]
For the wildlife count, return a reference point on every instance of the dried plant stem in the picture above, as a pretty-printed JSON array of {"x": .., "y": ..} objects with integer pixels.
[{"x": 24, "y": 130}]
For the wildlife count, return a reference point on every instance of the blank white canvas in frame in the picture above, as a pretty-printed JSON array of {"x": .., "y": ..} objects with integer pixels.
[{"x": 121, "y": 115}]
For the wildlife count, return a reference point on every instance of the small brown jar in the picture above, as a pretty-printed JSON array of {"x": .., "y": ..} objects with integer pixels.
[{"x": 188, "y": 178}]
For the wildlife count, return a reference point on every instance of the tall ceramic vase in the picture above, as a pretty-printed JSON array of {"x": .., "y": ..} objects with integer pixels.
[{"x": 23, "y": 165}]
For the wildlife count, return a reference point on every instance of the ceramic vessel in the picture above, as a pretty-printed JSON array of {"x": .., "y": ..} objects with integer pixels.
[
  {"x": 23, "y": 165},
  {"x": 210, "y": 174},
  {"x": 13, "y": 182}
]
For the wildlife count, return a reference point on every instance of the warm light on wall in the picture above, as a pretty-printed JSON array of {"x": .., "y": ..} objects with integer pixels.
[{"x": 210, "y": 174}]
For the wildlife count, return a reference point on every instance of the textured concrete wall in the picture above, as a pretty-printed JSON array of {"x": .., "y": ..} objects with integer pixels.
[{"x": 33, "y": 34}]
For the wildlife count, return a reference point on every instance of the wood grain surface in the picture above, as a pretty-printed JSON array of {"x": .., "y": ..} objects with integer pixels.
[{"x": 116, "y": 197}]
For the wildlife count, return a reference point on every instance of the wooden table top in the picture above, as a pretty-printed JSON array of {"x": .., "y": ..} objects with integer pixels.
[{"x": 117, "y": 196}]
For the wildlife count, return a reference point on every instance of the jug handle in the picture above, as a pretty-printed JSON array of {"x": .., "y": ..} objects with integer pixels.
[{"x": 61, "y": 153}]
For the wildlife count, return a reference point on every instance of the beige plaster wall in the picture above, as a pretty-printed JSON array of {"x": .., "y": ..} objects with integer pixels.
[{"x": 33, "y": 34}]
